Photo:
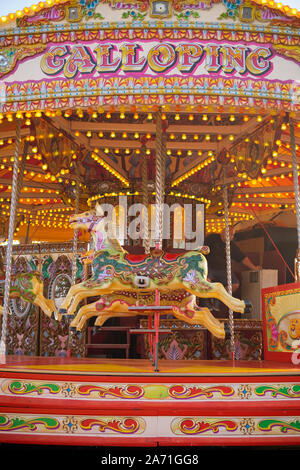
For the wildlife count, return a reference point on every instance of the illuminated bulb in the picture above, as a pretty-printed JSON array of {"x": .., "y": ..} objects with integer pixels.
[
  {"x": 259, "y": 118},
  {"x": 135, "y": 116},
  {"x": 231, "y": 137},
  {"x": 246, "y": 118},
  {"x": 113, "y": 134},
  {"x": 89, "y": 134},
  {"x": 191, "y": 117},
  {"x": 122, "y": 116},
  {"x": 232, "y": 118},
  {"x": 177, "y": 117},
  {"x": 108, "y": 115},
  {"x": 150, "y": 116}
]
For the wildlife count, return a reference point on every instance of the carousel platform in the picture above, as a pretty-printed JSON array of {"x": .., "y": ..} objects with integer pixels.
[{"x": 96, "y": 402}]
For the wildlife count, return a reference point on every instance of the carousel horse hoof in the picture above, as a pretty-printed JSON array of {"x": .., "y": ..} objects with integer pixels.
[
  {"x": 72, "y": 329},
  {"x": 227, "y": 331},
  {"x": 54, "y": 316},
  {"x": 63, "y": 311},
  {"x": 248, "y": 306}
]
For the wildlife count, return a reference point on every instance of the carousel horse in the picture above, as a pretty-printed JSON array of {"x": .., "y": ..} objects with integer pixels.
[
  {"x": 183, "y": 306},
  {"x": 29, "y": 287},
  {"x": 114, "y": 270}
]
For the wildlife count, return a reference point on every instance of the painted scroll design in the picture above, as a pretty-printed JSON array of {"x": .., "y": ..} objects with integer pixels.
[
  {"x": 194, "y": 392},
  {"x": 10, "y": 56}
]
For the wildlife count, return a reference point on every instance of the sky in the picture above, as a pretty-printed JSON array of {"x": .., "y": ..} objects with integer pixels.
[{"x": 12, "y": 6}]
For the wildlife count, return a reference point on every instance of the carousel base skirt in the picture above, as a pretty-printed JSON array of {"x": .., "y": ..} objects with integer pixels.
[{"x": 96, "y": 402}]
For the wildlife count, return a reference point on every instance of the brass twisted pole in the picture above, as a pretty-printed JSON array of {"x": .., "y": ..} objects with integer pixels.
[
  {"x": 145, "y": 199},
  {"x": 75, "y": 239},
  {"x": 11, "y": 229},
  {"x": 160, "y": 179},
  {"x": 228, "y": 267}
]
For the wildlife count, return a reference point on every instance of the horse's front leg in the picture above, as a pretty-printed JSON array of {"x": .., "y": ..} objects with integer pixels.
[
  {"x": 85, "y": 312},
  {"x": 82, "y": 291},
  {"x": 47, "y": 306},
  {"x": 70, "y": 297}
]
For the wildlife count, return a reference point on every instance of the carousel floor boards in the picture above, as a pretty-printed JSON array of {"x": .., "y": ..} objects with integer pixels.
[{"x": 96, "y": 402}]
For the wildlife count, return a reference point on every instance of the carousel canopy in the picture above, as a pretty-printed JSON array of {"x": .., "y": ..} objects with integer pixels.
[{"x": 86, "y": 80}]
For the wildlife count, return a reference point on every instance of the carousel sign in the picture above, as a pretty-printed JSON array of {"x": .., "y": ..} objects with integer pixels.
[{"x": 72, "y": 61}]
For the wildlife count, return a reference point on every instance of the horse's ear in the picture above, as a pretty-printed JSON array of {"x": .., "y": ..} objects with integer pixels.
[{"x": 99, "y": 210}]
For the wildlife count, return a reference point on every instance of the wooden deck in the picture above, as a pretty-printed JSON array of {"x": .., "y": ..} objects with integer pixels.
[
  {"x": 125, "y": 403},
  {"x": 134, "y": 367}
]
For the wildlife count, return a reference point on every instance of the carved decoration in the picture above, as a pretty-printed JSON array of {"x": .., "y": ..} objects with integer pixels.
[
  {"x": 292, "y": 52},
  {"x": 10, "y": 56}
]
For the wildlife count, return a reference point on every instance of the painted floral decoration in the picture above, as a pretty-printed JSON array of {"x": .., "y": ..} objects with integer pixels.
[
  {"x": 185, "y": 15},
  {"x": 134, "y": 15},
  {"x": 88, "y": 9},
  {"x": 232, "y": 9}
]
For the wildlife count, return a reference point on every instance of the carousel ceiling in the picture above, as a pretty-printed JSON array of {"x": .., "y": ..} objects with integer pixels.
[{"x": 101, "y": 149}]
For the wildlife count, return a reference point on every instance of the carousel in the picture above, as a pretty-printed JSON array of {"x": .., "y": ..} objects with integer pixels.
[{"x": 130, "y": 132}]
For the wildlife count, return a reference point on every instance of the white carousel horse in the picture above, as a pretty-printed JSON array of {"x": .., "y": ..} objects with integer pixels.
[{"x": 116, "y": 271}]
